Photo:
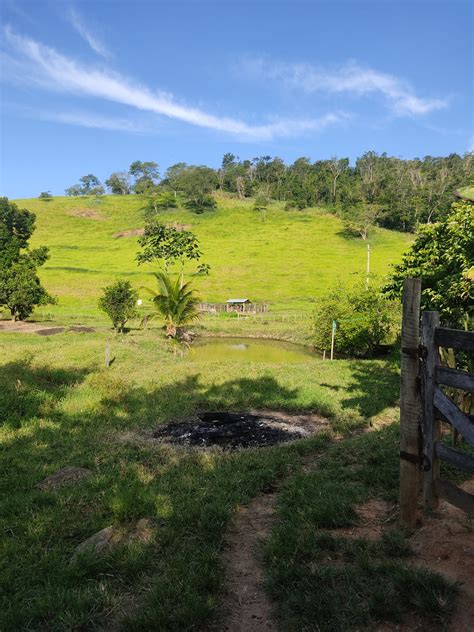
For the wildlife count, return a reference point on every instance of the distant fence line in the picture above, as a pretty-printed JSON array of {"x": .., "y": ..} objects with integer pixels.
[
  {"x": 242, "y": 308},
  {"x": 264, "y": 318},
  {"x": 273, "y": 316}
]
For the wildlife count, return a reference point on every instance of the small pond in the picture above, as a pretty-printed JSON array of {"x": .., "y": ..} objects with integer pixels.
[{"x": 247, "y": 350}]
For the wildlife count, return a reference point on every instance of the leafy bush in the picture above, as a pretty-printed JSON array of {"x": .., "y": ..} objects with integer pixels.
[
  {"x": 442, "y": 256},
  {"x": 295, "y": 205},
  {"x": 200, "y": 204},
  {"x": 363, "y": 317},
  {"x": 119, "y": 302},
  {"x": 20, "y": 286}
]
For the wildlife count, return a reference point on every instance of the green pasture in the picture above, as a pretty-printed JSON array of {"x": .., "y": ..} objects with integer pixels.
[
  {"x": 59, "y": 406},
  {"x": 286, "y": 260}
]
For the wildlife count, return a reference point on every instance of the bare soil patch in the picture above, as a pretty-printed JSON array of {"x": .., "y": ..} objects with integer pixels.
[
  {"x": 444, "y": 544},
  {"x": 134, "y": 232},
  {"x": 179, "y": 227},
  {"x": 232, "y": 431},
  {"x": 88, "y": 213},
  {"x": 50, "y": 331},
  {"x": 81, "y": 329},
  {"x": 22, "y": 327}
]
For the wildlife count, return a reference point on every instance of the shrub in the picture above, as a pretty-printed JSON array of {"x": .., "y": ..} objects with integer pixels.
[
  {"x": 119, "y": 302},
  {"x": 200, "y": 204},
  {"x": 294, "y": 205},
  {"x": 364, "y": 320}
]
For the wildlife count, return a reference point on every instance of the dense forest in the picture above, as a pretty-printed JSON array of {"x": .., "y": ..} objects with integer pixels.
[{"x": 386, "y": 190}]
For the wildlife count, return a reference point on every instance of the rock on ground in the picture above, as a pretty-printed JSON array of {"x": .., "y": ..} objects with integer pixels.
[{"x": 67, "y": 475}]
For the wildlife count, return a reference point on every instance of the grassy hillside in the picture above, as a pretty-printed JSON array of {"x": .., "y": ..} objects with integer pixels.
[
  {"x": 286, "y": 260},
  {"x": 467, "y": 191}
]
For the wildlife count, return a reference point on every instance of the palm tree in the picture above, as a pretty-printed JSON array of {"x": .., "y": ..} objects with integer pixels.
[{"x": 176, "y": 302}]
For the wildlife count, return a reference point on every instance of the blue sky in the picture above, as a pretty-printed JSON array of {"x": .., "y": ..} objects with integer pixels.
[{"x": 91, "y": 86}]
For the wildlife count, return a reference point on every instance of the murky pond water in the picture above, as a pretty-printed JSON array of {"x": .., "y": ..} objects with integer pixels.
[{"x": 247, "y": 350}]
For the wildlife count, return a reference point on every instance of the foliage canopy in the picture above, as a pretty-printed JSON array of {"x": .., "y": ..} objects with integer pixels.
[
  {"x": 442, "y": 256},
  {"x": 363, "y": 319},
  {"x": 168, "y": 244},
  {"x": 20, "y": 287},
  {"x": 119, "y": 302}
]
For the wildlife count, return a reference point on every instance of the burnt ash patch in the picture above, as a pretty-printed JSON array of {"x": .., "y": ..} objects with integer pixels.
[{"x": 232, "y": 431}]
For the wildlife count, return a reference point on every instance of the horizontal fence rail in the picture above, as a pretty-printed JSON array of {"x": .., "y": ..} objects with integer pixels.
[
  {"x": 437, "y": 405},
  {"x": 454, "y": 339}
]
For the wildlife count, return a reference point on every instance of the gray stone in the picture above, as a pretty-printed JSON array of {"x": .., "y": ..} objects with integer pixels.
[
  {"x": 109, "y": 538},
  {"x": 101, "y": 542},
  {"x": 65, "y": 476}
]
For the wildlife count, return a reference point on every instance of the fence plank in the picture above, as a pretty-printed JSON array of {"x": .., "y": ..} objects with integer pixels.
[
  {"x": 456, "y": 496},
  {"x": 455, "y": 457},
  {"x": 455, "y": 378},
  {"x": 431, "y": 425},
  {"x": 455, "y": 339},
  {"x": 451, "y": 412},
  {"x": 410, "y": 406}
]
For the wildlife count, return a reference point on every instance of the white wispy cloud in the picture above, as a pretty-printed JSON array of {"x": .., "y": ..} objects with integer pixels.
[
  {"x": 94, "y": 121},
  {"x": 36, "y": 63},
  {"x": 92, "y": 40},
  {"x": 349, "y": 78}
]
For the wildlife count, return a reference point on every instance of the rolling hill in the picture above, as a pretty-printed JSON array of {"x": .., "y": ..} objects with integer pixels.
[{"x": 286, "y": 260}]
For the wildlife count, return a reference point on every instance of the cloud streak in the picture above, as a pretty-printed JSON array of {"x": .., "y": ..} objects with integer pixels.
[
  {"x": 44, "y": 66},
  {"x": 94, "y": 121},
  {"x": 96, "y": 45},
  {"x": 350, "y": 78}
]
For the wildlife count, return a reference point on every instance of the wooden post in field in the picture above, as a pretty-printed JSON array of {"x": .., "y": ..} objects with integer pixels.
[
  {"x": 107, "y": 354},
  {"x": 324, "y": 354},
  {"x": 368, "y": 268},
  {"x": 431, "y": 426},
  {"x": 410, "y": 406},
  {"x": 333, "y": 335}
]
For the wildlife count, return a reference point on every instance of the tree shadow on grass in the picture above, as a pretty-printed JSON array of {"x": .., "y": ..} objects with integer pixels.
[
  {"x": 27, "y": 391},
  {"x": 189, "y": 495},
  {"x": 374, "y": 386},
  {"x": 180, "y": 399}
]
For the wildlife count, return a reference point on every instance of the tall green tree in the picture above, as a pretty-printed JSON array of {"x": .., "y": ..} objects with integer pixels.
[
  {"x": 146, "y": 175},
  {"x": 90, "y": 185},
  {"x": 442, "y": 256},
  {"x": 119, "y": 183},
  {"x": 167, "y": 244},
  {"x": 20, "y": 287}
]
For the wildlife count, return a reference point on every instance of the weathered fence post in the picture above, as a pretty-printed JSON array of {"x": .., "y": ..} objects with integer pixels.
[
  {"x": 410, "y": 406},
  {"x": 431, "y": 426},
  {"x": 333, "y": 335}
]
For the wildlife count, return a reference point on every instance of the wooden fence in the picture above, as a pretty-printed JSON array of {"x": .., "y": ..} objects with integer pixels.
[
  {"x": 242, "y": 308},
  {"x": 424, "y": 405}
]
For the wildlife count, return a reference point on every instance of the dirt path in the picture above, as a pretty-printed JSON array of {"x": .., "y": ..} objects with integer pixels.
[
  {"x": 247, "y": 607},
  {"x": 444, "y": 544},
  {"x": 28, "y": 327},
  {"x": 245, "y": 604}
]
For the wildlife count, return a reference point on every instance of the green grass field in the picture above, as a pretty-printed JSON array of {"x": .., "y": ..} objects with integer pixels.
[
  {"x": 287, "y": 260},
  {"x": 60, "y": 406}
]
